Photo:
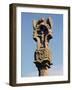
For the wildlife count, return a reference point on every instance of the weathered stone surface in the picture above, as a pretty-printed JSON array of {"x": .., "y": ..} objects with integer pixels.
[
  {"x": 42, "y": 34},
  {"x": 43, "y": 54}
]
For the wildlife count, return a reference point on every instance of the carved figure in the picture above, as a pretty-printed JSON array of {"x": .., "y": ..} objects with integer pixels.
[{"x": 42, "y": 33}]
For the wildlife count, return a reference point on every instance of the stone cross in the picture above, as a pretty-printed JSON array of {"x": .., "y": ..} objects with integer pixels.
[{"x": 42, "y": 33}]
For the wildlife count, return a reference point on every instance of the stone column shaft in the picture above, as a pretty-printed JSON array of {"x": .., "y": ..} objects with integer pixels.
[{"x": 43, "y": 71}]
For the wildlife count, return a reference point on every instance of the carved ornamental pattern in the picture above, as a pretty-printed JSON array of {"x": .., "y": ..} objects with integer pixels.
[{"x": 42, "y": 33}]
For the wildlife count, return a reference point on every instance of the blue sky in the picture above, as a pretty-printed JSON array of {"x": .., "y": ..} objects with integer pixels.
[{"x": 28, "y": 45}]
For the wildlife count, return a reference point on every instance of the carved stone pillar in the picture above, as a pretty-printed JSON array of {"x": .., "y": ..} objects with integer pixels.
[{"x": 42, "y": 34}]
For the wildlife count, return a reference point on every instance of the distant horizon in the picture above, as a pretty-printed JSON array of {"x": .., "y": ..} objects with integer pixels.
[{"x": 28, "y": 45}]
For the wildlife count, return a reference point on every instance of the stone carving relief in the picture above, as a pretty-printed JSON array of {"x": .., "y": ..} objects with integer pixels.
[{"x": 42, "y": 33}]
